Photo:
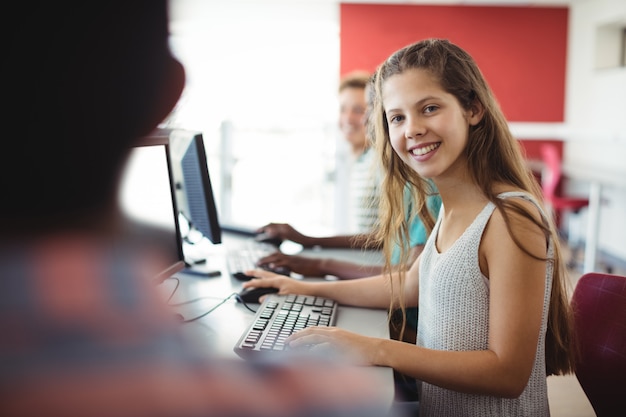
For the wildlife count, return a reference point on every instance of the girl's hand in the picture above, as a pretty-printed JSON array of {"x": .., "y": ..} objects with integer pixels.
[
  {"x": 355, "y": 348},
  {"x": 265, "y": 279}
]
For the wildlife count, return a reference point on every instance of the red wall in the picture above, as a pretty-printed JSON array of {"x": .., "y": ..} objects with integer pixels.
[
  {"x": 532, "y": 147},
  {"x": 520, "y": 50}
]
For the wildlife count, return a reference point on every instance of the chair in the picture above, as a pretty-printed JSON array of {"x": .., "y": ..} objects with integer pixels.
[
  {"x": 551, "y": 185},
  {"x": 599, "y": 305}
]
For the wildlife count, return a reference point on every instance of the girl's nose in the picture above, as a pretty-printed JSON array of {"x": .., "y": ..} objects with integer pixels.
[{"x": 414, "y": 128}]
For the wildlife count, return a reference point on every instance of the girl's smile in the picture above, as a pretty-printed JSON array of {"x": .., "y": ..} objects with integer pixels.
[{"x": 424, "y": 151}]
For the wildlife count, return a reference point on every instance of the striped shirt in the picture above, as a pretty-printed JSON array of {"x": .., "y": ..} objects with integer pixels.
[{"x": 364, "y": 192}]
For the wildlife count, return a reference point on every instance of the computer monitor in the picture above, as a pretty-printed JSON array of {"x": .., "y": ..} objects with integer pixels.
[
  {"x": 146, "y": 198},
  {"x": 192, "y": 184}
]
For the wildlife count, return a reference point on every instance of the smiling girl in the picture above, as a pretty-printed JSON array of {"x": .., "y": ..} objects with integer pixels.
[{"x": 494, "y": 319}]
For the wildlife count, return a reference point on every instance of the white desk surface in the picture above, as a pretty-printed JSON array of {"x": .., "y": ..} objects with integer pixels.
[{"x": 219, "y": 331}]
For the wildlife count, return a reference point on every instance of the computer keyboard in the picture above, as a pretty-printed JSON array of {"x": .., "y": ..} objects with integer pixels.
[
  {"x": 244, "y": 258},
  {"x": 281, "y": 315}
]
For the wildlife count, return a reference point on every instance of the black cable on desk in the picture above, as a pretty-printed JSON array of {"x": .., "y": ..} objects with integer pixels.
[
  {"x": 208, "y": 311},
  {"x": 235, "y": 295},
  {"x": 238, "y": 297},
  {"x": 175, "y": 288}
]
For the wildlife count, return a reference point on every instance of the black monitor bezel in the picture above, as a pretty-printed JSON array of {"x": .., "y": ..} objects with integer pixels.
[
  {"x": 196, "y": 139},
  {"x": 161, "y": 137}
]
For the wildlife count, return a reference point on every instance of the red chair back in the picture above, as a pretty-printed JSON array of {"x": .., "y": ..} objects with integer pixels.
[
  {"x": 552, "y": 176},
  {"x": 599, "y": 304}
]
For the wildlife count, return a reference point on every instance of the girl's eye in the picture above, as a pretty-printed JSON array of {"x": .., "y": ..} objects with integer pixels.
[
  {"x": 395, "y": 119},
  {"x": 430, "y": 109}
]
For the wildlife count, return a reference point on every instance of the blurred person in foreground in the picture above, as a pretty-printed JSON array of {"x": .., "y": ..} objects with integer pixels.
[{"x": 84, "y": 329}]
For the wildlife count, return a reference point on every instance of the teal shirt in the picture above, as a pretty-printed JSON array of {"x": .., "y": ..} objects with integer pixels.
[
  {"x": 417, "y": 236},
  {"x": 417, "y": 231}
]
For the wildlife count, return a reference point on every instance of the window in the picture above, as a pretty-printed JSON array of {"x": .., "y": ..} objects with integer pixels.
[
  {"x": 610, "y": 46},
  {"x": 262, "y": 87}
]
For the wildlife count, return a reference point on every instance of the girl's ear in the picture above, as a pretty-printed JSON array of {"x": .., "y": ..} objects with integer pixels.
[{"x": 475, "y": 113}]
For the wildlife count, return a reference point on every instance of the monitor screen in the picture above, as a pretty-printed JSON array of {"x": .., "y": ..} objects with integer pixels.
[
  {"x": 194, "y": 193},
  {"x": 146, "y": 198}
]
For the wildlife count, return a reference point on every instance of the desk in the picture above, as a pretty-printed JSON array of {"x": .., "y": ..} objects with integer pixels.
[
  {"x": 597, "y": 178},
  {"x": 218, "y": 332}
]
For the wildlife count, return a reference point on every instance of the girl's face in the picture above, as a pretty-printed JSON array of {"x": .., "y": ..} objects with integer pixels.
[{"x": 428, "y": 128}]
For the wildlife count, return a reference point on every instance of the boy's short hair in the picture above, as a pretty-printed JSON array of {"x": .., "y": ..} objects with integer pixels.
[{"x": 355, "y": 79}]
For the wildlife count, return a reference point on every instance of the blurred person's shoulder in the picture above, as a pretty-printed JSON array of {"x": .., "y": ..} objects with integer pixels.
[{"x": 74, "y": 277}]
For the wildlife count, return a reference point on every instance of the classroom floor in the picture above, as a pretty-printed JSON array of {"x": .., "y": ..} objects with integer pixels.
[{"x": 565, "y": 395}]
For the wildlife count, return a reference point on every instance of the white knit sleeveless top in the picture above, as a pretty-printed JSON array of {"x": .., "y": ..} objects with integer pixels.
[{"x": 454, "y": 315}]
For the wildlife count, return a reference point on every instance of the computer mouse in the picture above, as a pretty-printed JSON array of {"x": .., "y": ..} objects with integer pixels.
[
  {"x": 265, "y": 238},
  {"x": 252, "y": 294},
  {"x": 282, "y": 270}
]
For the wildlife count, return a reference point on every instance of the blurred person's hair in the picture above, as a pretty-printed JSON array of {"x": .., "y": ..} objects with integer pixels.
[
  {"x": 355, "y": 79},
  {"x": 85, "y": 80}
]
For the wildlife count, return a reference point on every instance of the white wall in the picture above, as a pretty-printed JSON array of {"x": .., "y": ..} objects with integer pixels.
[
  {"x": 269, "y": 71},
  {"x": 596, "y": 115},
  {"x": 596, "y": 98}
]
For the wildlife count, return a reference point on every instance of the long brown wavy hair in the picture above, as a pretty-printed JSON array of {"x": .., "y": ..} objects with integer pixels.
[{"x": 494, "y": 156}]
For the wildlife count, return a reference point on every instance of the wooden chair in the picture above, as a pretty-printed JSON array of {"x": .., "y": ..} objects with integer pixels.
[{"x": 599, "y": 304}]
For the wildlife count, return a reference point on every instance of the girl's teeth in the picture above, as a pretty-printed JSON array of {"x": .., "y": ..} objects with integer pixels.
[{"x": 424, "y": 150}]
